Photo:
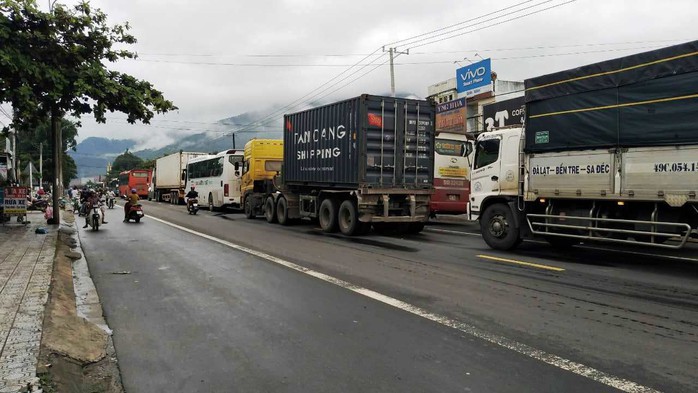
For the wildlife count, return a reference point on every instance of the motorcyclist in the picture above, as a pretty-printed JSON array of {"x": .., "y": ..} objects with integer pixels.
[
  {"x": 132, "y": 200},
  {"x": 110, "y": 198},
  {"x": 91, "y": 199},
  {"x": 102, "y": 205},
  {"x": 191, "y": 195}
]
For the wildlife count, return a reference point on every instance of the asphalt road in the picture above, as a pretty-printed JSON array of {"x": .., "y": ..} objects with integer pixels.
[{"x": 195, "y": 315}]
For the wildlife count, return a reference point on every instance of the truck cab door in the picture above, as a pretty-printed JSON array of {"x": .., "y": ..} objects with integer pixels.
[{"x": 485, "y": 176}]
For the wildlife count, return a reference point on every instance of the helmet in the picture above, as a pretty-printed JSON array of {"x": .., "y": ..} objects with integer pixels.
[{"x": 133, "y": 190}]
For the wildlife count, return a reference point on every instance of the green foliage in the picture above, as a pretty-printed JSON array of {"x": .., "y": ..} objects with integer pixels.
[
  {"x": 125, "y": 162},
  {"x": 53, "y": 64},
  {"x": 29, "y": 141}
]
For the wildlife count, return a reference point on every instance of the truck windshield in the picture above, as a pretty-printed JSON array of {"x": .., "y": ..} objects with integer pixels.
[{"x": 487, "y": 152}]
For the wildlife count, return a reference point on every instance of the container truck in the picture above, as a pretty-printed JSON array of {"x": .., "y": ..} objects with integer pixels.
[
  {"x": 169, "y": 181},
  {"x": 609, "y": 152},
  {"x": 352, "y": 164}
]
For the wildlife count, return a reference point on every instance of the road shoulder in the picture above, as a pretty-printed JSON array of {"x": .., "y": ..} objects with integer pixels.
[{"x": 76, "y": 354}]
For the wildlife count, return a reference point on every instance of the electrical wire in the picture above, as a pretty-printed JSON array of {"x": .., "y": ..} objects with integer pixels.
[{"x": 492, "y": 25}]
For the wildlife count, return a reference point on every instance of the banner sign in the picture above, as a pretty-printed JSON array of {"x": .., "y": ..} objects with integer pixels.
[
  {"x": 475, "y": 78},
  {"x": 15, "y": 200},
  {"x": 504, "y": 113},
  {"x": 451, "y": 117}
]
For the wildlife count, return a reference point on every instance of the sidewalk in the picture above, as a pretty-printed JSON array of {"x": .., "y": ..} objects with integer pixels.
[{"x": 26, "y": 263}]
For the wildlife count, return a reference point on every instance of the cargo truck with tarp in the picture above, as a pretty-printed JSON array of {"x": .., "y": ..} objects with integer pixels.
[
  {"x": 609, "y": 152},
  {"x": 352, "y": 164}
]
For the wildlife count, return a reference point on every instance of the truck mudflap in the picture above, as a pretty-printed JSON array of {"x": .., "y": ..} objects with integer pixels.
[
  {"x": 611, "y": 230},
  {"x": 393, "y": 208}
]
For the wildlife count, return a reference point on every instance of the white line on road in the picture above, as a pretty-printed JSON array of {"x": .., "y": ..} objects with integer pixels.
[{"x": 551, "y": 359}]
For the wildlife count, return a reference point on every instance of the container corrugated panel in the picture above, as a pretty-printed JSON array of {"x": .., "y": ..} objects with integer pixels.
[{"x": 371, "y": 141}]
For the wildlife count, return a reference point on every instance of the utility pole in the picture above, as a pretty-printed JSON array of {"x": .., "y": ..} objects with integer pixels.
[
  {"x": 233, "y": 134},
  {"x": 57, "y": 164},
  {"x": 393, "y": 54}
]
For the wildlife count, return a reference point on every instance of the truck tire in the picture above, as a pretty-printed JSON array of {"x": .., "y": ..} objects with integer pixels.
[
  {"x": 270, "y": 210},
  {"x": 249, "y": 209},
  {"x": 348, "y": 218},
  {"x": 282, "y": 211},
  {"x": 497, "y": 227},
  {"x": 327, "y": 215}
]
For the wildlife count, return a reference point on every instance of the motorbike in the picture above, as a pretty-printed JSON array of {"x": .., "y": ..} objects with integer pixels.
[
  {"x": 135, "y": 213},
  {"x": 37, "y": 204},
  {"x": 193, "y": 205},
  {"x": 94, "y": 218},
  {"x": 110, "y": 202}
]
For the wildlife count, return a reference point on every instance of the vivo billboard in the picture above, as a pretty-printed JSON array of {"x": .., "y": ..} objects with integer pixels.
[{"x": 475, "y": 78}]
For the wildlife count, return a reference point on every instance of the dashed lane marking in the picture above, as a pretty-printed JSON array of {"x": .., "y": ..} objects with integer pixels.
[
  {"x": 522, "y": 263},
  {"x": 504, "y": 342}
]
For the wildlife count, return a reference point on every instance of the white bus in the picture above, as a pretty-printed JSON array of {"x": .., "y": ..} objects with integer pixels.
[{"x": 216, "y": 178}]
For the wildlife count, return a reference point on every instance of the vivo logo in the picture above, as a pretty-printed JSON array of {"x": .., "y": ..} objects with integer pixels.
[{"x": 476, "y": 73}]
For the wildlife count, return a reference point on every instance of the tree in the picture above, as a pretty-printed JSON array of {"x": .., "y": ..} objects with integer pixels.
[
  {"x": 31, "y": 141},
  {"x": 125, "y": 162},
  {"x": 52, "y": 65}
]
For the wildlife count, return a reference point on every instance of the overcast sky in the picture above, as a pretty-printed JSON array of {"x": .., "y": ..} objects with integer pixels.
[{"x": 286, "y": 48}]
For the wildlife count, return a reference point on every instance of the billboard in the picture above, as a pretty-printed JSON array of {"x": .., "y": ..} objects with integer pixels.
[
  {"x": 475, "y": 78},
  {"x": 504, "y": 113},
  {"x": 451, "y": 116}
]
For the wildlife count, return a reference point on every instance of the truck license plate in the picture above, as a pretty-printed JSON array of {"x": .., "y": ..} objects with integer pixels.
[{"x": 453, "y": 197}]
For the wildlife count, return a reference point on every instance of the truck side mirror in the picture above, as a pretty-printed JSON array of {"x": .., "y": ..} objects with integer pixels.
[{"x": 237, "y": 166}]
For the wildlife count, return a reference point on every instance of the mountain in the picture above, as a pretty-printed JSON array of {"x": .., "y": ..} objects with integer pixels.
[
  {"x": 92, "y": 154},
  {"x": 245, "y": 127}
]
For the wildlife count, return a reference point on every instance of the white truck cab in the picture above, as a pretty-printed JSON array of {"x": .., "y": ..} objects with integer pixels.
[{"x": 495, "y": 167}]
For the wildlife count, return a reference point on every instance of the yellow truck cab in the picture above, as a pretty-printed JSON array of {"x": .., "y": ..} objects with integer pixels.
[{"x": 261, "y": 162}]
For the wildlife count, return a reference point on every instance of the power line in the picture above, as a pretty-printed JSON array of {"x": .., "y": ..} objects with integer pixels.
[
  {"x": 494, "y": 24},
  {"x": 460, "y": 34},
  {"x": 458, "y": 24},
  {"x": 292, "y": 55}
]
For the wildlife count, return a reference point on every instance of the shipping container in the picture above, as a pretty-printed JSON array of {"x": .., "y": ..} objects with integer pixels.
[{"x": 364, "y": 142}]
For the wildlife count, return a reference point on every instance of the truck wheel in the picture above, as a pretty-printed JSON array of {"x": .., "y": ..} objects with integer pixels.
[
  {"x": 327, "y": 216},
  {"x": 497, "y": 227},
  {"x": 282, "y": 211},
  {"x": 561, "y": 242},
  {"x": 348, "y": 218},
  {"x": 269, "y": 210},
  {"x": 249, "y": 210},
  {"x": 415, "y": 228}
]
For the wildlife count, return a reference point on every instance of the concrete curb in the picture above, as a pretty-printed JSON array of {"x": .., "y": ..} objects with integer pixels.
[{"x": 86, "y": 297}]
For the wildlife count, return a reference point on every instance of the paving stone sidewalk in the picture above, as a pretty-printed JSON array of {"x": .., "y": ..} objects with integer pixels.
[{"x": 26, "y": 264}]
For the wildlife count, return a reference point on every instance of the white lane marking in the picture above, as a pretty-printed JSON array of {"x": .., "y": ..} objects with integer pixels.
[{"x": 551, "y": 359}]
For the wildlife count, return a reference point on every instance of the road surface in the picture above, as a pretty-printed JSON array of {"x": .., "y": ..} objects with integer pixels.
[{"x": 196, "y": 314}]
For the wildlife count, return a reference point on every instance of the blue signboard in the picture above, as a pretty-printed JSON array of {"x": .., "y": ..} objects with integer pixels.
[{"x": 474, "y": 78}]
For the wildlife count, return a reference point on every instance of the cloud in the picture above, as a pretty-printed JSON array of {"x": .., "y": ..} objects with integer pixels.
[{"x": 300, "y": 34}]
